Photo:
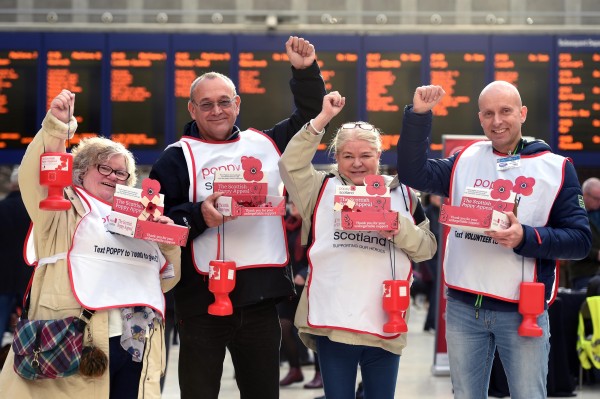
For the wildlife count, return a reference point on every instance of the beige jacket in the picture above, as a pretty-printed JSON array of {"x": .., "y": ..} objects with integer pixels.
[
  {"x": 51, "y": 295},
  {"x": 303, "y": 183}
]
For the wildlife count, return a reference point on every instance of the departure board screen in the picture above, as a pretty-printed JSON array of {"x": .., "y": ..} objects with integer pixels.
[
  {"x": 18, "y": 94},
  {"x": 264, "y": 89},
  {"x": 134, "y": 87},
  {"x": 462, "y": 75},
  {"x": 530, "y": 73},
  {"x": 579, "y": 101},
  {"x": 391, "y": 81},
  {"x": 339, "y": 71},
  {"x": 137, "y": 93},
  {"x": 188, "y": 66},
  {"x": 79, "y": 72}
]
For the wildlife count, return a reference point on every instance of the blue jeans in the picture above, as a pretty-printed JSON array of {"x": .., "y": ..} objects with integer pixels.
[
  {"x": 473, "y": 341},
  {"x": 339, "y": 367},
  {"x": 251, "y": 334}
]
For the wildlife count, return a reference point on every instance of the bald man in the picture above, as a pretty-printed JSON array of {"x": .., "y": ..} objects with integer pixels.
[
  {"x": 483, "y": 273},
  {"x": 582, "y": 271}
]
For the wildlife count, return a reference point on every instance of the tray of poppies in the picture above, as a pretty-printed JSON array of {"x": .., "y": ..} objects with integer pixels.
[
  {"x": 134, "y": 212},
  {"x": 365, "y": 207},
  {"x": 245, "y": 191},
  {"x": 481, "y": 209}
]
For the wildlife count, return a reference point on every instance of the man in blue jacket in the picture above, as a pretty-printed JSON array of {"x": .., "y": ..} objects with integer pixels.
[
  {"x": 185, "y": 170},
  {"x": 483, "y": 274}
]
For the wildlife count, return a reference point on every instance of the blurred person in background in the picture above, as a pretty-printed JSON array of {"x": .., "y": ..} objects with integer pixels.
[
  {"x": 15, "y": 272},
  {"x": 432, "y": 211},
  {"x": 291, "y": 346},
  {"x": 582, "y": 271}
]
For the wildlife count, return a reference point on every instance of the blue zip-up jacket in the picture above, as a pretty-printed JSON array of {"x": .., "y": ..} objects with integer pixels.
[{"x": 566, "y": 236}]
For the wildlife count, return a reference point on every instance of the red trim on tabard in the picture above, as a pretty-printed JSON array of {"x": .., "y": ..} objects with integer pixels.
[
  {"x": 267, "y": 137},
  {"x": 28, "y": 237},
  {"x": 312, "y": 270},
  {"x": 441, "y": 347},
  {"x": 251, "y": 266},
  {"x": 211, "y": 141},
  {"x": 355, "y": 331},
  {"x": 451, "y": 185},
  {"x": 285, "y": 263},
  {"x": 88, "y": 210},
  {"x": 194, "y": 182}
]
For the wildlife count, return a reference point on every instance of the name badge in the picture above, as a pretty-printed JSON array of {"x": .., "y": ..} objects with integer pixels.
[
  {"x": 168, "y": 273},
  {"x": 509, "y": 162}
]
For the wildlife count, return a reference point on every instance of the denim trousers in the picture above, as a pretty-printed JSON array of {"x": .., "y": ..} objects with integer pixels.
[
  {"x": 124, "y": 372},
  {"x": 251, "y": 334},
  {"x": 339, "y": 367},
  {"x": 473, "y": 340}
]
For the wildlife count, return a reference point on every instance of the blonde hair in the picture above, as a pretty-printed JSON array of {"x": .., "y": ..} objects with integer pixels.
[
  {"x": 343, "y": 135},
  {"x": 92, "y": 151}
]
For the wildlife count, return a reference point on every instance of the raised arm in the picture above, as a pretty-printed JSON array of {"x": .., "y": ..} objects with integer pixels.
[
  {"x": 299, "y": 176},
  {"x": 308, "y": 89},
  {"x": 414, "y": 167},
  {"x": 58, "y": 125}
]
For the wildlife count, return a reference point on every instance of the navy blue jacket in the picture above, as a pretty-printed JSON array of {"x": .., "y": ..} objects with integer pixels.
[
  {"x": 15, "y": 224},
  {"x": 566, "y": 236},
  {"x": 192, "y": 296}
]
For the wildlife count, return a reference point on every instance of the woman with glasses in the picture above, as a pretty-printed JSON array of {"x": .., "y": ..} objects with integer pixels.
[
  {"x": 340, "y": 314},
  {"x": 80, "y": 264}
]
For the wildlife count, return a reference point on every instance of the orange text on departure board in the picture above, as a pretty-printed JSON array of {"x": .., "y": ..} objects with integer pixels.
[
  {"x": 442, "y": 75},
  {"x": 506, "y": 68},
  {"x": 328, "y": 74},
  {"x": 249, "y": 75},
  {"x": 578, "y": 100},
  {"x": 59, "y": 76},
  {"x": 8, "y": 73},
  {"x": 380, "y": 76},
  {"x": 186, "y": 65},
  {"x": 122, "y": 88}
]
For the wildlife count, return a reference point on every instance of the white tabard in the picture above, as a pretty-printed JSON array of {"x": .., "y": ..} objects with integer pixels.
[
  {"x": 250, "y": 241},
  {"x": 477, "y": 264},
  {"x": 347, "y": 269},
  {"x": 110, "y": 270}
]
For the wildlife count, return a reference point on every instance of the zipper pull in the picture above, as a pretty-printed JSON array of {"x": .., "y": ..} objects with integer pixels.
[{"x": 478, "y": 305}]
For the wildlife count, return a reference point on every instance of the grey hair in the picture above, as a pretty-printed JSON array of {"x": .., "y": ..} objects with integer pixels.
[
  {"x": 589, "y": 184},
  {"x": 210, "y": 76},
  {"x": 342, "y": 136},
  {"x": 14, "y": 175},
  {"x": 92, "y": 151}
]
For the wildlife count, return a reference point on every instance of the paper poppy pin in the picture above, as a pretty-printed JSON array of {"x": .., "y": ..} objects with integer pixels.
[
  {"x": 252, "y": 169},
  {"x": 501, "y": 189},
  {"x": 150, "y": 199},
  {"x": 524, "y": 185},
  {"x": 375, "y": 185}
]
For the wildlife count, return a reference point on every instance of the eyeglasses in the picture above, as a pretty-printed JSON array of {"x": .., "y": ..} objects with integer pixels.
[
  {"x": 360, "y": 125},
  {"x": 106, "y": 170},
  {"x": 208, "y": 106}
]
